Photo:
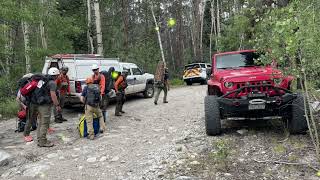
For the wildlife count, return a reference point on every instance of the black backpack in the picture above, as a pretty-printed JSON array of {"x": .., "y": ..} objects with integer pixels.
[
  {"x": 93, "y": 95},
  {"x": 41, "y": 95}
]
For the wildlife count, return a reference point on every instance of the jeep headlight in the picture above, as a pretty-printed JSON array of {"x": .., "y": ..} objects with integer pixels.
[
  {"x": 228, "y": 85},
  {"x": 277, "y": 81}
]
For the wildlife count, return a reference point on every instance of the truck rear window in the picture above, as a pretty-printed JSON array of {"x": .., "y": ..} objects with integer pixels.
[
  {"x": 245, "y": 59},
  {"x": 191, "y": 66}
]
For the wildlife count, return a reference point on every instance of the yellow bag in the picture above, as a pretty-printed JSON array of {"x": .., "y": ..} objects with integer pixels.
[{"x": 82, "y": 126}]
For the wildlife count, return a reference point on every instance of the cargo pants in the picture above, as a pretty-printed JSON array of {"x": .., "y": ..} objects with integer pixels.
[
  {"x": 121, "y": 98},
  {"x": 89, "y": 110},
  {"x": 32, "y": 114},
  {"x": 104, "y": 105},
  {"x": 159, "y": 87},
  {"x": 62, "y": 98},
  {"x": 43, "y": 122}
]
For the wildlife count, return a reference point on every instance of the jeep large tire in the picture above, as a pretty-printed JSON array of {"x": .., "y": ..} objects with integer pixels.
[
  {"x": 212, "y": 116},
  {"x": 149, "y": 92},
  {"x": 297, "y": 122}
]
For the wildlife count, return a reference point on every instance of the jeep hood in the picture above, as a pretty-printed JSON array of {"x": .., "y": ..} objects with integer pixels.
[{"x": 248, "y": 74}]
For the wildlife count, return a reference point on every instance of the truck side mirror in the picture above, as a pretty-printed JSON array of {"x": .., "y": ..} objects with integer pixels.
[{"x": 209, "y": 69}]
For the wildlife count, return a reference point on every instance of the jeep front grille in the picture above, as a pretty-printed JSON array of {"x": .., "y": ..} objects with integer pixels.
[{"x": 259, "y": 86}]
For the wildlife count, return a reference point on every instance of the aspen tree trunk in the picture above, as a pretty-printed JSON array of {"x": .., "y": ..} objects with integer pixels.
[
  {"x": 98, "y": 27},
  {"x": 25, "y": 30},
  {"x": 218, "y": 19},
  {"x": 158, "y": 33},
  {"x": 212, "y": 26},
  {"x": 42, "y": 29},
  {"x": 89, "y": 34},
  {"x": 202, "y": 8}
]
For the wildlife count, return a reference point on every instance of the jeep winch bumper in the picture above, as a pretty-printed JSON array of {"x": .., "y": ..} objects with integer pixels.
[{"x": 256, "y": 105}]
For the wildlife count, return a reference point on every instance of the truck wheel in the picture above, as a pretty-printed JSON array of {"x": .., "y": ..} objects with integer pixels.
[
  {"x": 297, "y": 122},
  {"x": 149, "y": 92},
  {"x": 189, "y": 83},
  {"x": 212, "y": 116}
]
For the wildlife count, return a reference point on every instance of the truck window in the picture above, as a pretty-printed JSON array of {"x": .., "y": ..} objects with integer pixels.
[{"x": 136, "y": 71}]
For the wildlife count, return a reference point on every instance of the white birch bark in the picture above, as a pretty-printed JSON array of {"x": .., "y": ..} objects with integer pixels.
[
  {"x": 212, "y": 26},
  {"x": 202, "y": 8},
  {"x": 42, "y": 29},
  {"x": 89, "y": 35},
  {"x": 25, "y": 30},
  {"x": 98, "y": 27},
  {"x": 158, "y": 33},
  {"x": 218, "y": 19}
]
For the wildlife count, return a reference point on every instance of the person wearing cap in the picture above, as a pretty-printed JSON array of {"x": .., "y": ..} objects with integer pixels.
[
  {"x": 119, "y": 87},
  {"x": 98, "y": 78},
  {"x": 63, "y": 85},
  {"x": 92, "y": 108}
]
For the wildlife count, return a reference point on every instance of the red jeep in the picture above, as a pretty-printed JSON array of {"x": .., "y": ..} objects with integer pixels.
[{"x": 241, "y": 89}]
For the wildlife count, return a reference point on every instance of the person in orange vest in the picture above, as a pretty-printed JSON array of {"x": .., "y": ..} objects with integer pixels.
[
  {"x": 98, "y": 78},
  {"x": 119, "y": 86},
  {"x": 63, "y": 84}
]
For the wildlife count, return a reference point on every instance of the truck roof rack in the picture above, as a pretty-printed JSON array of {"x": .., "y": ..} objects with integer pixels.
[{"x": 72, "y": 56}]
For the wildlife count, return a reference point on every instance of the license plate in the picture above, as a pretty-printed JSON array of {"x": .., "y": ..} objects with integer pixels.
[{"x": 257, "y": 106}]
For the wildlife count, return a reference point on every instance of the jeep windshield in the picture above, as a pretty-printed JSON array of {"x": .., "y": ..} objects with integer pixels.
[{"x": 234, "y": 61}]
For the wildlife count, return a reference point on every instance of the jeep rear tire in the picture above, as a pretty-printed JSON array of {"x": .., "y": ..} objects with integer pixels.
[
  {"x": 149, "y": 92},
  {"x": 297, "y": 122},
  {"x": 212, "y": 116}
]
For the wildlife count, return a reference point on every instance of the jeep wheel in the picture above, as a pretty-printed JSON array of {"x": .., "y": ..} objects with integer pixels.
[
  {"x": 189, "y": 83},
  {"x": 297, "y": 122},
  {"x": 149, "y": 92},
  {"x": 212, "y": 115}
]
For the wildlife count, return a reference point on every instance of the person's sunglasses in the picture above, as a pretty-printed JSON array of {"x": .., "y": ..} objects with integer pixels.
[{"x": 95, "y": 69}]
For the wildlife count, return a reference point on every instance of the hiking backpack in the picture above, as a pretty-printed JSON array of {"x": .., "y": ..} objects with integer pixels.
[
  {"x": 93, "y": 95},
  {"x": 41, "y": 94}
]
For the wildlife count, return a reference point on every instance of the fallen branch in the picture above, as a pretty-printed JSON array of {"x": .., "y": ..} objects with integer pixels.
[{"x": 287, "y": 163}]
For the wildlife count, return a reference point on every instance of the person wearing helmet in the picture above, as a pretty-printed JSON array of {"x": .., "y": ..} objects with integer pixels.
[
  {"x": 91, "y": 98},
  {"x": 109, "y": 86},
  {"x": 42, "y": 99},
  {"x": 98, "y": 78},
  {"x": 63, "y": 85},
  {"x": 119, "y": 87}
]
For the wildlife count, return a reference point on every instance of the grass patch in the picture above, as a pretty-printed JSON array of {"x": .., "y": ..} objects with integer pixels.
[
  {"x": 279, "y": 149},
  {"x": 220, "y": 157},
  {"x": 176, "y": 82},
  {"x": 8, "y": 108}
]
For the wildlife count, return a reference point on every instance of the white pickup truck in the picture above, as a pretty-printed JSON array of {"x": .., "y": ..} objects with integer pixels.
[{"x": 138, "y": 81}]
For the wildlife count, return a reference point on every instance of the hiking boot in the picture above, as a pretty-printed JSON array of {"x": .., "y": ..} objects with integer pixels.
[
  {"x": 102, "y": 130},
  {"x": 122, "y": 112},
  {"x": 63, "y": 119},
  {"x": 28, "y": 138},
  {"x": 165, "y": 102},
  {"x": 58, "y": 121},
  {"x": 46, "y": 144},
  {"x": 118, "y": 114},
  {"x": 155, "y": 103},
  {"x": 91, "y": 137}
]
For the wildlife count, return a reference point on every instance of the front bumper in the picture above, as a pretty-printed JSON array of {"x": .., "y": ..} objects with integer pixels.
[
  {"x": 194, "y": 79},
  {"x": 256, "y": 108}
]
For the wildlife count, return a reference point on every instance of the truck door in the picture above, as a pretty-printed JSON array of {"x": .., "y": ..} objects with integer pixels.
[{"x": 139, "y": 80}]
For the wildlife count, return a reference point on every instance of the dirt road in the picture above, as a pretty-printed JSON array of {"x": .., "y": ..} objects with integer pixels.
[{"x": 166, "y": 141}]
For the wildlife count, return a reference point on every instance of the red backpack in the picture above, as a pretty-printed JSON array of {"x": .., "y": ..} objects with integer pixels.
[{"x": 28, "y": 88}]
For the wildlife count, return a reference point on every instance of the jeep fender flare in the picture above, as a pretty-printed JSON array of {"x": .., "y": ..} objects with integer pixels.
[{"x": 214, "y": 88}]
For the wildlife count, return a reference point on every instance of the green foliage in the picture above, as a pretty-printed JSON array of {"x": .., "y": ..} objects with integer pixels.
[
  {"x": 177, "y": 82},
  {"x": 8, "y": 107}
]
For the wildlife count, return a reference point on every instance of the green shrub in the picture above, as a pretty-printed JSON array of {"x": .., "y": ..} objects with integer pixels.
[
  {"x": 8, "y": 108},
  {"x": 177, "y": 82}
]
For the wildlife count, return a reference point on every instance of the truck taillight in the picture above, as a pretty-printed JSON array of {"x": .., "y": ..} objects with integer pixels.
[{"x": 78, "y": 87}]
